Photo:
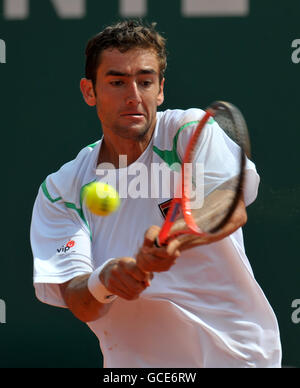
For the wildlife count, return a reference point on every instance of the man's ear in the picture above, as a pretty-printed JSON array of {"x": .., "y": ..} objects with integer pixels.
[
  {"x": 161, "y": 97},
  {"x": 87, "y": 90}
]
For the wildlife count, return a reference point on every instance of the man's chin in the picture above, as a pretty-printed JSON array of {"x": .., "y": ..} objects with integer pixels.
[{"x": 135, "y": 132}]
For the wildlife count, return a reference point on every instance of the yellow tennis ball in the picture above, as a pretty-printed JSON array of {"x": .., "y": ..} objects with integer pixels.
[{"x": 101, "y": 198}]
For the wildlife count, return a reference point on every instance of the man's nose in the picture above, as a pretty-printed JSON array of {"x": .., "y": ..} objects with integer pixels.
[{"x": 133, "y": 96}]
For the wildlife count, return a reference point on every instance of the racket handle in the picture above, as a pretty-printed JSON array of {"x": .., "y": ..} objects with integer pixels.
[
  {"x": 156, "y": 243},
  {"x": 171, "y": 216}
]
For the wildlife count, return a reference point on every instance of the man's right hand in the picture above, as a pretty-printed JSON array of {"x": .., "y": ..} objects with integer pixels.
[
  {"x": 156, "y": 259},
  {"x": 123, "y": 277}
]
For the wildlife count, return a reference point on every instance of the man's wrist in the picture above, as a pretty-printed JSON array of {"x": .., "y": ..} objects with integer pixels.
[{"x": 97, "y": 288}]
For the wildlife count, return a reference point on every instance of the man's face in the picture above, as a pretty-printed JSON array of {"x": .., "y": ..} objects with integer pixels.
[{"x": 128, "y": 91}]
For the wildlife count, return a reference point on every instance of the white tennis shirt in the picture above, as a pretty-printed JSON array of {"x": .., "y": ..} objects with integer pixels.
[{"x": 207, "y": 310}]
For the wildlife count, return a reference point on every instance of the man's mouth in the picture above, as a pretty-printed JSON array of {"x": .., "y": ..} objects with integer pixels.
[
  {"x": 132, "y": 114},
  {"x": 133, "y": 117}
]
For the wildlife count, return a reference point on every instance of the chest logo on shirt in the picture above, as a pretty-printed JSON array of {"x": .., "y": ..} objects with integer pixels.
[
  {"x": 66, "y": 247},
  {"x": 164, "y": 207}
]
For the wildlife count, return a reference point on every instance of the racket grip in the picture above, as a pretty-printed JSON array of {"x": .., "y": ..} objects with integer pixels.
[{"x": 156, "y": 243}]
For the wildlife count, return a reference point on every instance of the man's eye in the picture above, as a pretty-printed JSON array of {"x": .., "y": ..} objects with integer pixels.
[
  {"x": 116, "y": 83},
  {"x": 146, "y": 83}
]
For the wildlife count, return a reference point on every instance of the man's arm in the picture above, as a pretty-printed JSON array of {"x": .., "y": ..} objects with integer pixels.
[
  {"x": 80, "y": 301},
  {"x": 236, "y": 221},
  {"x": 152, "y": 258},
  {"x": 121, "y": 277}
]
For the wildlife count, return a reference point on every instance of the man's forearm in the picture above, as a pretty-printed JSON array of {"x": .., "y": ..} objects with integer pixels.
[{"x": 80, "y": 301}]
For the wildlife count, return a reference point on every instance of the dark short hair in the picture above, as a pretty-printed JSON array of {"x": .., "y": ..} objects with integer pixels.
[{"x": 125, "y": 35}]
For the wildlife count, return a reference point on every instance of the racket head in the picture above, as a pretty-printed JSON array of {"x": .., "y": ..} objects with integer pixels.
[
  {"x": 233, "y": 123},
  {"x": 219, "y": 202}
]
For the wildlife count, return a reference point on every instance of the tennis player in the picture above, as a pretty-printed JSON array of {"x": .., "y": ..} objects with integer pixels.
[{"x": 203, "y": 306}]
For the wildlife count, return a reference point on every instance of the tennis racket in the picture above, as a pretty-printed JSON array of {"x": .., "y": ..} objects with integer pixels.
[{"x": 192, "y": 223}]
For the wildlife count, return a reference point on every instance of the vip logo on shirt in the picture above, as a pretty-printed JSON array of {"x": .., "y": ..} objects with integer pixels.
[{"x": 65, "y": 248}]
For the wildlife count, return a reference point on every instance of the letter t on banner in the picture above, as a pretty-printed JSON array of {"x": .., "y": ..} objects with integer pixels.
[
  {"x": 133, "y": 8},
  {"x": 214, "y": 8}
]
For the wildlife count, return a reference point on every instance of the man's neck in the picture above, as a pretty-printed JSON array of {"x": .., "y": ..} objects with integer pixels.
[{"x": 111, "y": 149}]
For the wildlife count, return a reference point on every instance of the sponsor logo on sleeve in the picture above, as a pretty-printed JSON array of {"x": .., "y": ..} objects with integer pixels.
[{"x": 66, "y": 248}]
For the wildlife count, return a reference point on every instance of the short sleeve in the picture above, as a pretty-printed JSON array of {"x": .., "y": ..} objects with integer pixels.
[
  {"x": 61, "y": 247},
  {"x": 220, "y": 158}
]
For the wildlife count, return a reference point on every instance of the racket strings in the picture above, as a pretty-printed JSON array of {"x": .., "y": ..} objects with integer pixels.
[
  {"x": 218, "y": 204},
  {"x": 234, "y": 125},
  {"x": 211, "y": 215}
]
